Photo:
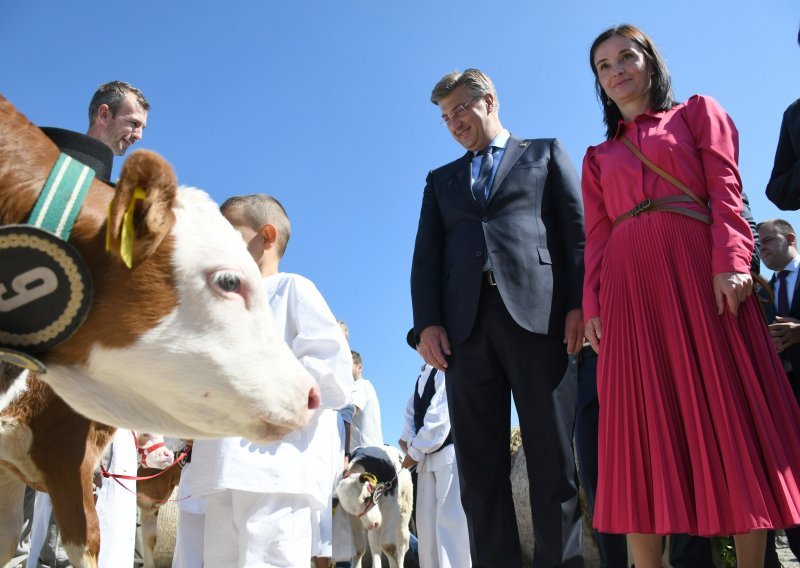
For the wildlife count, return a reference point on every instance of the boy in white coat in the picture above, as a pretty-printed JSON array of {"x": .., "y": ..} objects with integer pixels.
[
  {"x": 441, "y": 522},
  {"x": 261, "y": 499}
]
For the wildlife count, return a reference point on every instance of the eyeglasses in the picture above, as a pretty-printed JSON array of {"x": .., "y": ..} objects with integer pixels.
[{"x": 458, "y": 111}]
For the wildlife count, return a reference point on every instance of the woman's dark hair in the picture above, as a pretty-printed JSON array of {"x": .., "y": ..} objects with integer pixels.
[{"x": 661, "y": 97}]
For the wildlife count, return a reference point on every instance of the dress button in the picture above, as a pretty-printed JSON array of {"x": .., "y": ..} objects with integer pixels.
[{"x": 478, "y": 254}]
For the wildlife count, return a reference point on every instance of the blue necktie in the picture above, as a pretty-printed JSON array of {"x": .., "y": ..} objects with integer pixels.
[
  {"x": 783, "y": 294},
  {"x": 481, "y": 185}
]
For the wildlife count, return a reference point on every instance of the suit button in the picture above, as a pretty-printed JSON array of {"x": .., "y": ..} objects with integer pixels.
[
  {"x": 485, "y": 220},
  {"x": 478, "y": 253}
]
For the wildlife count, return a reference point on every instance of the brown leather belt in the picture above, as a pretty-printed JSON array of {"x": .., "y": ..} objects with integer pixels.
[{"x": 664, "y": 204}]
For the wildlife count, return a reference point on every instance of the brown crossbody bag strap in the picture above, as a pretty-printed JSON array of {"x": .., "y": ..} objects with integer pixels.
[
  {"x": 670, "y": 178},
  {"x": 759, "y": 280}
]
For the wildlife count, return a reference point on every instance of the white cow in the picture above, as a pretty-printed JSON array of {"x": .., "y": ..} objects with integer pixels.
[{"x": 378, "y": 495}]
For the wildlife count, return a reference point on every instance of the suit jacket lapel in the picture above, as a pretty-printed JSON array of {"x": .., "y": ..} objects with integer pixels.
[
  {"x": 514, "y": 149},
  {"x": 462, "y": 176}
]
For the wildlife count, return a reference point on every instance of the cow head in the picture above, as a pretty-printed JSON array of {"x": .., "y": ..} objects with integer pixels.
[
  {"x": 153, "y": 451},
  {"x": 180, "y": 342},
  {"x": 355, "y": 492}
]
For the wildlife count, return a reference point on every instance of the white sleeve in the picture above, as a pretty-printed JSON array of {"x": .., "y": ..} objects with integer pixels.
[
  {"x": 320, "y": 345},
  {"x": 436, "y": 425}
]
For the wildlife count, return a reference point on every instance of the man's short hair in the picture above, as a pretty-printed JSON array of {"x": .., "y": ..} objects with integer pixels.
[
  {"x": 257, "y": 210},
  {"x": 113, "y": 94},
  {"x": 781, "y": 227},
  {"x": 356, "y": 358},
  {"x": 476, "y": 82}
]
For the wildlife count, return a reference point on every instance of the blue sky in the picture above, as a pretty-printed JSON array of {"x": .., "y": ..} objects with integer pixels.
[{"x": 325, "y": 105}]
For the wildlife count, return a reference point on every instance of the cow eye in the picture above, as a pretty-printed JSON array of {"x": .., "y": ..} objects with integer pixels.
[{"x": 228, "y": 282}]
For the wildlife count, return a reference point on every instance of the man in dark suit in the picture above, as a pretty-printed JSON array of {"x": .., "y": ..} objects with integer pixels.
[
  {"x": 779, "y": 253},
  {"x": 496, "y": 291}
]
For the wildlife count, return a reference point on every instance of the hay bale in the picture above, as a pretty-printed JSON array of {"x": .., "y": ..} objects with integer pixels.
[
  {"x": 519, "y": 490},
  {"x": 167, "y": 530}
]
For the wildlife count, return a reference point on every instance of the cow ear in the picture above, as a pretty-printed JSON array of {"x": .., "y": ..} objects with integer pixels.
[{"x": 141, "y": 215}]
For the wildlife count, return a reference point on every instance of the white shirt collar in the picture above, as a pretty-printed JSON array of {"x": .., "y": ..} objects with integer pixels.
[
  {"x": 793, "y": 265},
  {"x": 499, "y": 141}
]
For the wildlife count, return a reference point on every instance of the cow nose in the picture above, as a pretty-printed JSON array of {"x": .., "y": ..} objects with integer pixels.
[{"x": 313, "y": 398}]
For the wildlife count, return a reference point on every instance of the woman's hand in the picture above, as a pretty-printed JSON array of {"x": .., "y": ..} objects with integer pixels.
[
  {"x": 733, "y": 287},
  {"x": 592, "y": 332}
]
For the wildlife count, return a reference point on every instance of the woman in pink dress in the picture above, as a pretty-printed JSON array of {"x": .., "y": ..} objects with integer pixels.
[{"x": 698, "y": 424}]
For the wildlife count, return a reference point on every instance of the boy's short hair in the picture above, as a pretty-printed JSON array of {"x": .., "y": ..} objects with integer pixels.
[{"x": 257, "y": 210}]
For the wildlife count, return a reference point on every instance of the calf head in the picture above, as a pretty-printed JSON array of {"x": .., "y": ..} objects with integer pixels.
[
  {"x": 181, "y": 341},
  {"x": 153, "y": 451},
  {"x": 355, "y": 492}
]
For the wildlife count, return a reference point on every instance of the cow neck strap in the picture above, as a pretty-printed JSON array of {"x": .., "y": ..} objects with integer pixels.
[{"x": 62, "y": 196}]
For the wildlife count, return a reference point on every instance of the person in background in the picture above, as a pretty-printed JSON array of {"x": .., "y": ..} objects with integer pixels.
[
  {"x": 365, "y": 429},
  {"x": 783, "y": 188},
  {"x": 780, "y": 254},
  {"x": 117, "y": 116},
  {"x": 261, "y": 500},
  {"x": 428, "y": 445}
]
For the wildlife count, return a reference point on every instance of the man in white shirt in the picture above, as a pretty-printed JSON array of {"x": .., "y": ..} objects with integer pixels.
[{"x": 366, "y": 426}]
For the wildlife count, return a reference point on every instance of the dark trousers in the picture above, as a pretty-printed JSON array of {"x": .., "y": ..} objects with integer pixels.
[
  {"x": 498, "y": 358},
  {"x": 684, "y": 551},
  {"x": 793, "y": 536}
]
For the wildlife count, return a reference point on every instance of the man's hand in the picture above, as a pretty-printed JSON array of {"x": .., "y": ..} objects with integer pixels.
[
  {"x": 403, "y": 445},
  {"x": 593, "y": 331},
  {"x": 409, "y": 462},
  {"x": 733, "y": 288},
  {"x": 573, "y": 330},
  {"x": 785, "y": 332},
  {"x": 434, "y": 345}
]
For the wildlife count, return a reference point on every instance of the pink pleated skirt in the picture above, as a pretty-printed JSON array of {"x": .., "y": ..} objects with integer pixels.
[{"x": 699, "y": 430}]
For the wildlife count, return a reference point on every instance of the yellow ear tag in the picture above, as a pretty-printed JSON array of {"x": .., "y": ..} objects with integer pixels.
[
  {"x": 368, "y": 477},
  {"x": 128, "y": 232}
]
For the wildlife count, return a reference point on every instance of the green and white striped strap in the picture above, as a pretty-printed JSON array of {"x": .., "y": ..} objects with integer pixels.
[{"x": 62, "y": 196}]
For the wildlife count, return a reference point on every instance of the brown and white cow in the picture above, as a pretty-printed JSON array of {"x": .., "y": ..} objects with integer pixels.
[
  {"x": 46, "y": 444},
  {"x": 182, "y": 343},
  {"x": 151, "y": 495}
]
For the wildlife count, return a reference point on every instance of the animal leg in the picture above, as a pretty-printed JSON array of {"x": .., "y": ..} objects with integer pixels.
[
  {"x": 375, "y": 546},
  {"x": 149, "y": 518},
  {"x": 12, "y": 494},
  {"x": 75, "y": 513}
]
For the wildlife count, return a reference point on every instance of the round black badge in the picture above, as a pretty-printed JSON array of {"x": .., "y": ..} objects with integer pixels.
[{"x": 45, "y": 289}]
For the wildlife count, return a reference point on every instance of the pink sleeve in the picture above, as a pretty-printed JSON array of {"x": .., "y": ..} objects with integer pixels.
[
  {"x": 717, "y": 140},
  {"x": 598, "y": 230}
]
